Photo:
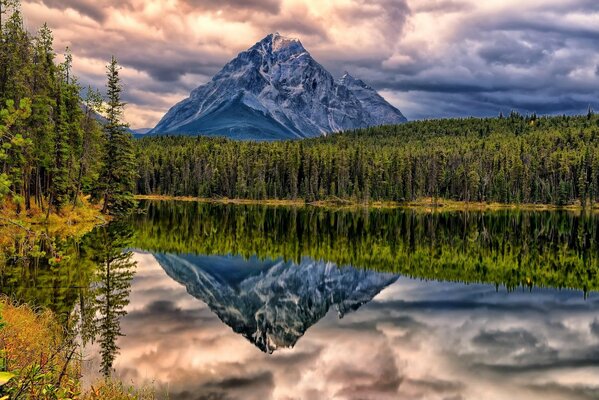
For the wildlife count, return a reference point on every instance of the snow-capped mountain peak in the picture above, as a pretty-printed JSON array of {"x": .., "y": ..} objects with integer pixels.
[
  {"x": 276, "y": 90},
  {"x": 272, "y": 303}
]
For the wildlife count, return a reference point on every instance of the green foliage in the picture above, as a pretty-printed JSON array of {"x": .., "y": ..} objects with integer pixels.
[
  {"x": 117, "y": 179},
  {"x": 14, "y": 145},
  {"x": 515, "y": 249},
  {"x": 106, "y": 246},
  {"x": 84, "y": 282},
  {"x": 548, "y": 160},
  {"x": 51, "y": 145}
]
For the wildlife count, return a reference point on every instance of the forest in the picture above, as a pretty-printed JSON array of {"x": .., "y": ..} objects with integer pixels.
[
  {"x": 53, "y": 150},
  {"x": 513, "y": 159},
  {"x": 55, "y": 154},
  {"x": 514, "y": 249}
]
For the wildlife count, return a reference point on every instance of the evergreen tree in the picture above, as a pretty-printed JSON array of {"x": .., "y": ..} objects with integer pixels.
[
  {"x": 59, "y": 193},
  {"x": 115, "y": 271},
  {"x": 118, "y": 178},
  {"x": 46, "y": 158}
]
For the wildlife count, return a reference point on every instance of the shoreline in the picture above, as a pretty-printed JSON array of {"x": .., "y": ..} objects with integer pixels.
[
  {"x": 73, "y": 222},
  {"x": 425, "y": 204}
]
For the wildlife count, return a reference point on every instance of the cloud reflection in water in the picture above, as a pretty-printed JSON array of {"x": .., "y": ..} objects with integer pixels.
[{"x": 415, "y": 340}]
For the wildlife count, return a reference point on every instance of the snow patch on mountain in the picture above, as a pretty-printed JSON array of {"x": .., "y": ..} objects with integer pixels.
[
  {"x": 273, "y": 302},
  {"x": 276, "y": 90}
]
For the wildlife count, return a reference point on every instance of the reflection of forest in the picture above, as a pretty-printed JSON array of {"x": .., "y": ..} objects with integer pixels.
[
  {"x": 84, "y": 281},
  {"x": 91, "y": 275},
  {"x": 511, "y": 248}
]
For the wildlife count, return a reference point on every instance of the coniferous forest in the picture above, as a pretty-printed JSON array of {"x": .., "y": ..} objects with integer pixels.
[
  {"x": 52, "y": 147},
  {"x": 54, "y": 151},
  {"x": 513, "y": 159}
]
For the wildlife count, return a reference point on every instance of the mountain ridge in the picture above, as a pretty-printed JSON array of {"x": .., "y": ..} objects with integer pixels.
[
  {"x": 272, "y": 303},
  {"x": 276, "y": 90}
]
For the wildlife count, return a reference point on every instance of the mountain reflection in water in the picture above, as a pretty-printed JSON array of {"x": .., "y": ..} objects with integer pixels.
[{"x": 272, "y": 303}]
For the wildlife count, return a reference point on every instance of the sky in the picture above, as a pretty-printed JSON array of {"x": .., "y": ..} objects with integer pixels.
[
  {"x": 429, "y": 58},
  {"x": 415, "y": 340}
]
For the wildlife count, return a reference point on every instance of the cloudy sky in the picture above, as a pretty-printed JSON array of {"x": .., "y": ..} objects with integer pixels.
[
  {"x": 430, "y": 58},
  {"x": 415, "y": 340}
]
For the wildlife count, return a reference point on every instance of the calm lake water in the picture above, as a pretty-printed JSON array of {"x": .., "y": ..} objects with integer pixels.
[{"x": 247, "y": 302}]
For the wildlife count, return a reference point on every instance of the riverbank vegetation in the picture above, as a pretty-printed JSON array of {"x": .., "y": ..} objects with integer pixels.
[
  {"x": 80, "y": 283},
  {"x": 43, "y": 361},
  {"x": 508, "y": 160}
]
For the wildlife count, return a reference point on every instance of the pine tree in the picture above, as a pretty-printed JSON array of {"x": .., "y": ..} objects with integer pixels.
[
  {"x": 59, "y": 192},
  {"x": 115, "y": 271},
  {"x": 118, "y": 178}
]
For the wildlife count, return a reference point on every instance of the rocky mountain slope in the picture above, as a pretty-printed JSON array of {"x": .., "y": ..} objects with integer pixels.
[
  {"x": 272, "y": 303},
  {"x": 276, "y": 90}
]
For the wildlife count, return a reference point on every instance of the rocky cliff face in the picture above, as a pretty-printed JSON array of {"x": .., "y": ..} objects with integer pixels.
[
  {"x": 276, "y": 90},
  {"x": 273, "y": 303}
]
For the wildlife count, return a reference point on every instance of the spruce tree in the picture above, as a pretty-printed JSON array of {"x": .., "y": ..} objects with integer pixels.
[
  {"x": 115, "y": 271},
  {"x": 59, "y": 193},
  {"x": 118, "y": 177}
]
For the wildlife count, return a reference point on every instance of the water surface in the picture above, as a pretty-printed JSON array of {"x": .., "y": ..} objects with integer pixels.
[{"x": 246, "y": 302}]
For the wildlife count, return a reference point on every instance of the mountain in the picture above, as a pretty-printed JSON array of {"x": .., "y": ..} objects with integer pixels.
[
  {"x": 102, "y": 119},
  {"x": 276, "y": 90},
  {"x": 272, "y": 303}
]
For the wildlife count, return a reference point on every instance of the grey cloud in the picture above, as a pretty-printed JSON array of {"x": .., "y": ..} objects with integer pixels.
[
  {"x": 592, "y": 360},
  {"x": 508, "y": 51},
  {"x": 264, "y": 379},
  {"x": 440, "y": 6},
  {"x": 545, "y": 25},
  {"x": 506, "y": 341},
  {"x": 363, "y": 383},
  {"x": 573, "y": 392},
  {"x": 264, "y": 6},
  {"x": 428, "y": 385},
  {"x": 362, "y": 356},
  {"x": 530, "y": 61},
  {"x": 300, "y": 25},
  {"x": 570, "y": 6},
  {"x": 93, "y": 9},
  {"x": 390, "y": 15}
]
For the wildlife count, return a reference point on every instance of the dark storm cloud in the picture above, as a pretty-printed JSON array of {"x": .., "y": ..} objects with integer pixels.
[
  {"x": 263, "y": 380},
  {"x": 168, "y": 65},
  {"x": 502, "y": 341},
  {"x": 595, "y": 328},
  {"x": 90, "y": 8},
  {"x": 508, "y": 51},
  {"x": 433, "y": 58},
  {"x": 257, "y": 386}
]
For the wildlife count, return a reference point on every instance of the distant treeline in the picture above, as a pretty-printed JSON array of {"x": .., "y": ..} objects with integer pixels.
[{"x": 513, "y": 159}]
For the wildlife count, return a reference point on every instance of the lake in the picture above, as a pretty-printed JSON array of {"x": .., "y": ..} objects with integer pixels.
[{"x": 208, "y": 301}]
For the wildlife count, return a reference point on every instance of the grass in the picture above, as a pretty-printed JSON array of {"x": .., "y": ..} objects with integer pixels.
[
  {"x": 20, "y": 232},
  {"x": 424, "y": 204},
  {"x": 44, "y": 360},
  {"x": 83, "y": 212},
  {"x": 114, "y": 390}
]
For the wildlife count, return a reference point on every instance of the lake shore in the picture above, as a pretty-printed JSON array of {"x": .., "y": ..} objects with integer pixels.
[
  {"x": 72, "y": 222},
  {"x": 425, "y": 204}
]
